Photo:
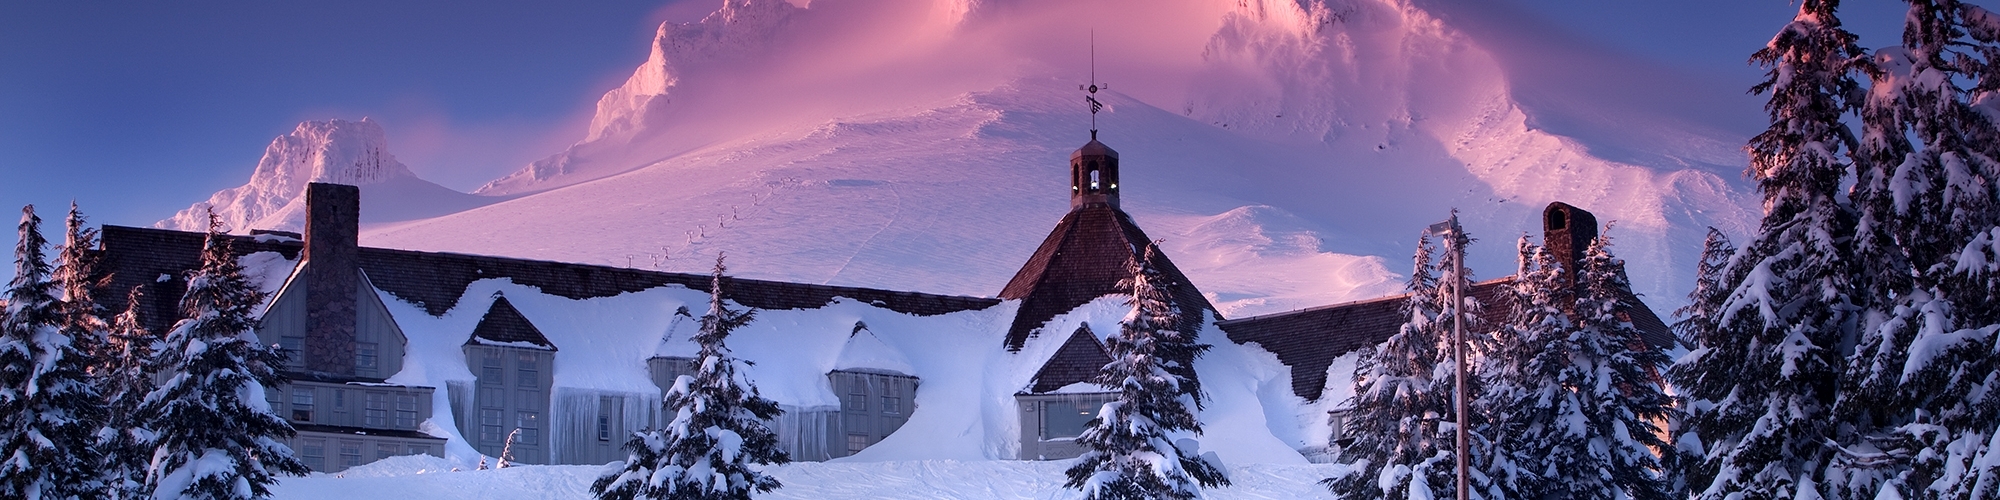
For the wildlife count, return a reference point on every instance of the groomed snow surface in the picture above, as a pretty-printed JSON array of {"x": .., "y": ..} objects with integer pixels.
[{"x": 433, "y": 478}]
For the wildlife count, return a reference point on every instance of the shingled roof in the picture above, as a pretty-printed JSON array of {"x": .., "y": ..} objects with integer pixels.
[
  {"x": 1078, "y": 360},
  {"x": 436, "y": 281},
  {"x": 1308, "y": 340},
  {"x": 1084, "y": 258},
  {"x": 504, "y": 325}
]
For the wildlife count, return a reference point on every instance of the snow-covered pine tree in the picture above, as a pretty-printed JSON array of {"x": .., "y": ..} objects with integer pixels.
[
  {"x": 717, "y": 436},
  {"x": 1607, "y": 374},
  {"x": 127, "y": 445},
  {"x": 1761, "y": 380},
  {"x": 1914, "y": 390},
  {"x": 216, "y": 437},
  {"x": 76, "y": 275},
  {"x": 1683, "y": 462},
  {"x": 48, "y": 409},
  {"x": 1131, "y": 455},
  {"x": 1402, "y": 410},
  {"x": 1510, "y": 391}
]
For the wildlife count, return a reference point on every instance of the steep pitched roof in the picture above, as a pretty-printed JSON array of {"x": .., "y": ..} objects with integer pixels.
[
  {"x": 436, "y": 281},
  {"x": 504, "y": 325},
  {"x": 1084, "y": 258},
  {"x": 1308, "y": 340},
  {"x": 1078, "y": 360}
]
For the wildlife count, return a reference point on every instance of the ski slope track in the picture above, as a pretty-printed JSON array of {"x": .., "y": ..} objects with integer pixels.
[{"x": 1287, "y": 152}]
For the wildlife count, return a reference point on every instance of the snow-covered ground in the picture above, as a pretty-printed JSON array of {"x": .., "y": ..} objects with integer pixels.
[{"x": 431, "y": 478}]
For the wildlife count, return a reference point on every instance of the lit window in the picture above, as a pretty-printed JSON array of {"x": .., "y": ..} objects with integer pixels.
[
  {"x": 530, "y": 424},
  {"x": 302, "y": 403},
  {"x": 856, "y": 443}
]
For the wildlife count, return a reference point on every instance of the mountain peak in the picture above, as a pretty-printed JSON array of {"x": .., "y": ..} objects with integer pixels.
[{"x": 336, "y": 151}]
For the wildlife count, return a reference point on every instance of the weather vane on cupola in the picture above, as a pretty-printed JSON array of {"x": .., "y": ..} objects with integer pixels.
[{"x": 1093, "y": 87}]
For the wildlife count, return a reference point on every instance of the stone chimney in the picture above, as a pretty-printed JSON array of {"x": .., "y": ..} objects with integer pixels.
[
  {"x": 1566, "y": 233},
  {"x": 332, "y": 273}
]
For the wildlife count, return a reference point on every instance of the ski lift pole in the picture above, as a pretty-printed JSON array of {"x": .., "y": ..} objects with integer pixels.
[{"x": 1451, "y": 231}]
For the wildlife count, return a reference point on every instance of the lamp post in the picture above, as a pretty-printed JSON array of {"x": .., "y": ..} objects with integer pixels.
[{"x": 1450, "y": 230}]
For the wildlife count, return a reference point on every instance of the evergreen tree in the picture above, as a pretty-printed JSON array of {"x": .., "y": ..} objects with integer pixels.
[
  {"x": 1761, "y": 378},
  {"x": 1535, "y": 306},
  {"x": 1403, "y": 411},
  {"x": 216, "y": 435},
  {"x": 1131, "y": 455},
  {"x": 1913, "y": 393},
  {"x": 1574, "y": 391},
  {"x": 76, "y": 275},
  {"x": 126, "y": 443},
  {"x": 48, "y": 408},
  {"x": 1684, "y": 461},
  {"x": 717, "y": 434}
]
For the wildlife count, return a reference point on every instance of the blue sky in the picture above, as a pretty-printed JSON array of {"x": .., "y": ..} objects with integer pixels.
[{"x": 138, "y": 109}]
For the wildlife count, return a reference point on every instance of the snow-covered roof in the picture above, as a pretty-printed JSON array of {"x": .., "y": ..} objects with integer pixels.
[
  {"x": 504, "y": 326},
  {"x": 865, "y": 351}
]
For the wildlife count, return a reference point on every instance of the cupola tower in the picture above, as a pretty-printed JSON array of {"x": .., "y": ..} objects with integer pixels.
[{"x": 1093, "y": 175}]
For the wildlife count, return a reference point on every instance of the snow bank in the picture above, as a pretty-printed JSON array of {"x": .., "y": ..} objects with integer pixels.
[{"x": 925, "y": 479}]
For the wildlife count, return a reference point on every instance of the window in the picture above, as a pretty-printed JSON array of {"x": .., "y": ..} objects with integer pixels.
[
  {"x": 530, "y": 424},
  {"x": 364, "y": 355},
  {"x": 1065, "y": 419},
  {"x": 603, "y": 418},
  {"x": 1338, "y": 421},
  {"x": 489, "y": 367},
  {"x": 313, "y": 453},
  {"x": 350, "y": 453},
  {"x": 489, "y": 426},
  {"x": 1093, "y": 179},
  {"x": 856, "y": 443},
  {"x": 527, "y": 398},
  {"x": 406, "y": 411},
  {"x": 291, "y": 346},
  {"x": 857, "y": 394},
  {"x": 492, "y": 397},
  {"x": 302, "y": 404},
  {"x": 892, "y": 405},
  {"x": 420, "y": 450},
  {"x": 386, "y": 450},
  {"x": 378, "y": 410},
  {"x": 529, "y": 373},
  {"x": 340, "y": 399}
]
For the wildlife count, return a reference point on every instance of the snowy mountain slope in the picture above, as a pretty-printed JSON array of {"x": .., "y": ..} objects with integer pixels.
[
  {"x": 337, "y": 151},
  {"x": 1287, "y": 152}
]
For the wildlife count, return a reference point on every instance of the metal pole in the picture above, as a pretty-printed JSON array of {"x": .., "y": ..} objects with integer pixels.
[{"x": 1458, "y": 346}]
